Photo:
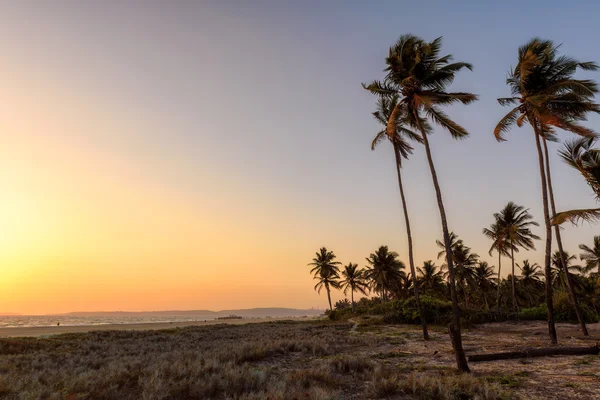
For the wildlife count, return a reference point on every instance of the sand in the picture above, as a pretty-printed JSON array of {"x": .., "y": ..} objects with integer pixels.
[{"x": 41, "y": 331}]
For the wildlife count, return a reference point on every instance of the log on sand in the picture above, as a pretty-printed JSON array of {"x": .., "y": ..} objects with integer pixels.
[{"x": 550, "y": 351}]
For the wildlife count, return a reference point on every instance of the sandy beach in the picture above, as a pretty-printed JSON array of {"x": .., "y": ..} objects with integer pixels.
[{"x": 40, "y": 331}]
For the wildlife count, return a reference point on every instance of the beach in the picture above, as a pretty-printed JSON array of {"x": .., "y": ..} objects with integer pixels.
[{"x": 42, "y": 331}]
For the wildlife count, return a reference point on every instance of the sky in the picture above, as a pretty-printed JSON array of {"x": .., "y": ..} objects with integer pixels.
[{"x": 195, "y": 155}]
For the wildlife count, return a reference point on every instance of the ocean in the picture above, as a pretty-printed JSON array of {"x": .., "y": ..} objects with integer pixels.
[{"x": 22, "y": 321}]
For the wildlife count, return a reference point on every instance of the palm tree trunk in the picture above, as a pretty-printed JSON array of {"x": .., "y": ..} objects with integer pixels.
[
  {"x": 512, "y": 258},
  {"x": 548, "y": 249},
  {"x": 560, "y": 247},
  {"x": 328, "y": 296},
  {"x": 454, "y": 327},
  {"x": 499, "y": 281},
  {"x": 352, "y": 297},
  {"x": 410, "y": 246}
]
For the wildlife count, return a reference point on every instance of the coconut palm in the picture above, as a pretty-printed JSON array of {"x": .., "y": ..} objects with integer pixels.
[
  {"x": 397, "y": 133},
  {"x": 531, "y": 275},
  {"x": 431, "y": 279},
  {"x": 496, "y": 233},
  {"x": 547, "y": 97},
  {"x": 560, "y": 264},
  {"x": 464, "y": 263},
  {"x": 354, "y": 280},
  {"x": 591, "y": 256},
  {"x": 417, "y": 72},
  {"x": 384, "y": 271},
  {"x": 515, "y": 222},
  {"x": 580, "y": 155},
  {"x": 483, "y": 278},
  {"x": 326, "y": 271}
]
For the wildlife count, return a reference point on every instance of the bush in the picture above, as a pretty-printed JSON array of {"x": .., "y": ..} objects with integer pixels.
[
  {"x": 437, "y": 311},
  {"x": 564, "y": 311},
  {"x": 343, "y": 304}
]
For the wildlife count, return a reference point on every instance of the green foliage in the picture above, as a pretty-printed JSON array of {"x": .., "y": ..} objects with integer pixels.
[{"x": 437, "y": 311}]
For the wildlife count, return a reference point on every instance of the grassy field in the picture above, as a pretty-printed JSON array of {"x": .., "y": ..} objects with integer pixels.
[{"x": 360, "y": 359}]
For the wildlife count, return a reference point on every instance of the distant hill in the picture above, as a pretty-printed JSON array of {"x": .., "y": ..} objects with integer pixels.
[
  {"x": 246, "y": 313},
  {"x": 9, "y": 314}
]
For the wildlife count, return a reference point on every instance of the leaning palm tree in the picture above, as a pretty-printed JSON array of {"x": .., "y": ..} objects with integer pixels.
[
  {"x": 580, "y": 155},
  {"x": 384, "y": 271},
  {"x": 354, "y": 280},
  {"x": 395, "y": 121},
  {"x": 591, "y": 256},
  {"x": 496, "y": 233},
  {"x": 515, "y": 222},
  {"x": 547, "y": 97},
  {"x": 417, "y": 72},
  {"x": 326, "y": 272}
]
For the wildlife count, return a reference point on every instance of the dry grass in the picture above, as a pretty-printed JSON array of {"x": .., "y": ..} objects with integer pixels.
[{"x": 287, "y": 360}]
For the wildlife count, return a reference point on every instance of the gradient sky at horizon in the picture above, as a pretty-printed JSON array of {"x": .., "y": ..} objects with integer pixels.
[{"x": 195, "y": 155}]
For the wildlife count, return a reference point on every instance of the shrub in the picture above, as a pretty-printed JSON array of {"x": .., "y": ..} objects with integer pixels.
[{"x": 437, "y": 311}]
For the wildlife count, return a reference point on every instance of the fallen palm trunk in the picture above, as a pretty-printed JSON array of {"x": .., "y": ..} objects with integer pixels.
[{"x": 552, "y": 351}]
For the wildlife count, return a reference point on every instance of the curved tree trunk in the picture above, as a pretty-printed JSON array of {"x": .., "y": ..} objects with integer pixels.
[
  {"x": 548, "y": 249},
  {"x": 454, "y": 327},
  {"x": 560, "y": 247},
  {"x": 410, "y": 246},
  {"x": 329, "y": 296},
  {"x": 499, "y": 281},
  {"x": 512, "y": 258}
]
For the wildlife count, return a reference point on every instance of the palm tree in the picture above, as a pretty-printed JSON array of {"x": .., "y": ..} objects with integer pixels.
[
  {"x": 547, "y": 97},
  {"x": 515, "y": 222},
  {"x": 431, "y": 278},
  {"x": 326, "y": 272},
  {"x": 591, "y": 256},
  {"x": 562, "y": 264},
  {"x": 464, "y": 263},
  {"x": 482, "y": 275},
  {"x": 396, "y": 131},
  {"x": 385, "y": 270},
  {"x": 496, "y": 233},
  {"x": 354, "y": 279},
  {"x": 530, "y": 274},
  {"x": 580, "y": 155},
  {"x": 417, "y": 72}
]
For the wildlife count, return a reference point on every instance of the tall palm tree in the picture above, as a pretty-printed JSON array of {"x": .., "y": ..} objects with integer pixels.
[
  {"x": 580, "y": 155},
  {"x": 431, "y": 279},
  {"x": 515, "y": 222},
  {"x": 354, "y": 279},
  {"x": 326, "y": 272},
  {"x": 482, "y": 276},
  {"x": 384, "y": 270},
  {"x": 417, "y": 72},
  {"x": 561, "y": 251},
  {"x": 395, "y": 120},
  {"x": 547, "y": 97},
  {"x": 496, "y": 233},
  {"x": 591, "y": 256}
]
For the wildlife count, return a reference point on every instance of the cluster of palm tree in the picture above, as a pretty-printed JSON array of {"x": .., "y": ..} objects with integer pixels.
[
  {"x": 478, "y": 285},
  {"x": 546, "y": 96}
]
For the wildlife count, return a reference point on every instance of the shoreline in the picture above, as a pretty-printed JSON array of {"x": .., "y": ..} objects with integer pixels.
[{"x": 42, "y": 331}]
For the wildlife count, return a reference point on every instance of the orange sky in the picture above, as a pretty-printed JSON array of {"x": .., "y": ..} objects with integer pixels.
[{"x": 196, "y": 157}]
